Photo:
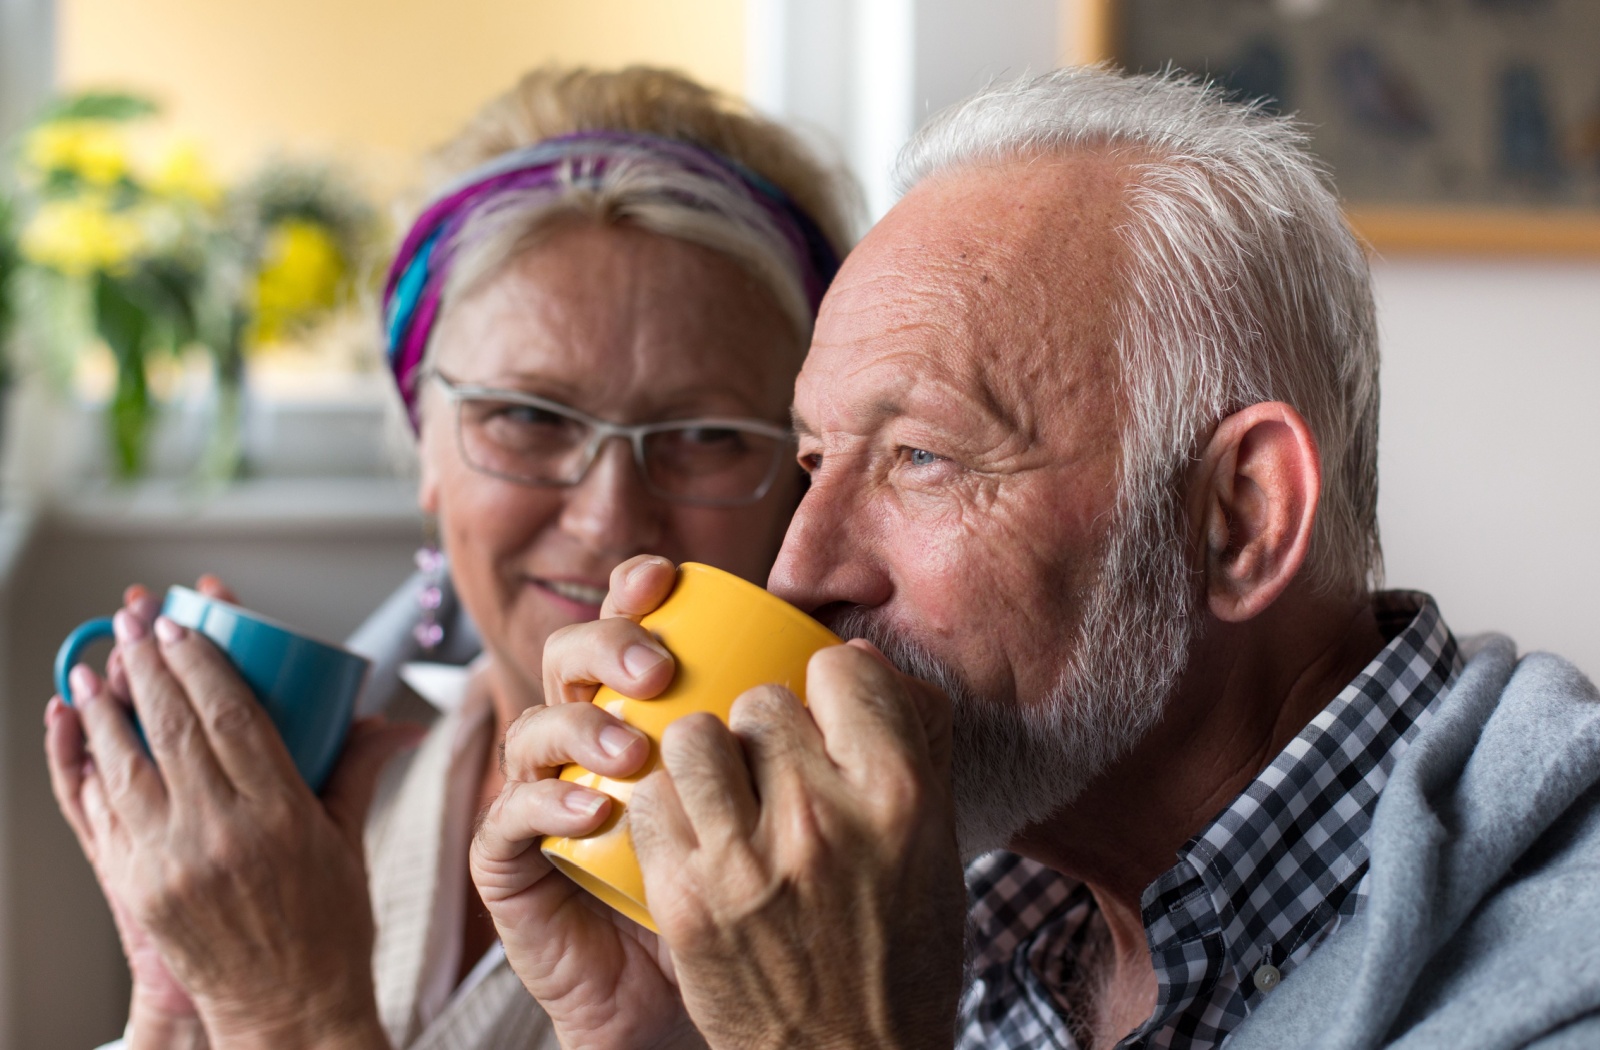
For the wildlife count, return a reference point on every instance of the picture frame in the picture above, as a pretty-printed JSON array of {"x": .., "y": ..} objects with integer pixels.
[{"x": 1428, "y": 180}]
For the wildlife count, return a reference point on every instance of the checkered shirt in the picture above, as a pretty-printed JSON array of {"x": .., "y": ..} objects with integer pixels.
[{"x": 1250, "y": 897}]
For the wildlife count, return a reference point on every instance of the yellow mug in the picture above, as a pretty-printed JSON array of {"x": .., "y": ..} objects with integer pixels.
[{"x": 727, "y": 635}]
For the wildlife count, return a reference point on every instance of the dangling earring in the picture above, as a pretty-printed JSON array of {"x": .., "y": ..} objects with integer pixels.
[{"x": 429, "y": 632}]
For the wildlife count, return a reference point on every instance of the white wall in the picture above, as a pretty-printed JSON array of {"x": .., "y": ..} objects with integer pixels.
[
  {"x": 863, "y": 74},
  {"x": 1490, "y": 452}
]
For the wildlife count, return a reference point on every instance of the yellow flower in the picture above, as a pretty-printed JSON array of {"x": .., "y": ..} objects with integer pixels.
[
  {"x": 301, "y": 272},
  {"x": 80, "y": 235},
  {"x": 94, "y": 150},
  {"x": 181, "y": 172}
]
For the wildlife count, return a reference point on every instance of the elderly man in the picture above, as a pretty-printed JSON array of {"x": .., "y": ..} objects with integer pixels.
[{"x": 1091, "y": 420}]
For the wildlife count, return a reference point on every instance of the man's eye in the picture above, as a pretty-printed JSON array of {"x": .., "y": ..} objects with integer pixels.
[
  {"x": 810, "y": 461},
  {"x": 922, "y": 457}
]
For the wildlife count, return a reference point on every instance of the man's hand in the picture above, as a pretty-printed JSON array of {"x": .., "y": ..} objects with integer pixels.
[
  {"x": 802, "y": 863},
  {"x": 606, "y": 982},
  {"x": 251, "y": 889},
  {"x": 802, "y": 866}
]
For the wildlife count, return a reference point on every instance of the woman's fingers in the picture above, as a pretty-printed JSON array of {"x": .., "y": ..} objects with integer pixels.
[
  {"x": 65, "y": 756},
  {"x": 123, "y": 775},
  {"x": 615, "y": 652},
  {"x": 238, "y": 735},
  {"x": 171, "y": 726},
  {"x": 102, "y": 821},
  {"x": 212, "y": 586},
  {"x": 638, "y": 585},
  {"x": 142, "y": 605},
  {"x": 543, "y": 739}
]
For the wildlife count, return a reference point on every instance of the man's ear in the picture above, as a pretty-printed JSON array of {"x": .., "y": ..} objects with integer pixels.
[{"x": 1255, "y": 500}]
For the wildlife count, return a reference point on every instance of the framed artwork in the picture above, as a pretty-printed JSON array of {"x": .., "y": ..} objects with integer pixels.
[{"x": 1449, "y": 125}]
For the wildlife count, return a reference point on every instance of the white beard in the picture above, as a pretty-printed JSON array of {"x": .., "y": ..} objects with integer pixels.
[{"x": 1016, "y": 763}]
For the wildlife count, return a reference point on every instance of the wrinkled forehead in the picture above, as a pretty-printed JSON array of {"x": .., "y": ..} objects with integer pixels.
[{"x": 997, "y": 283}]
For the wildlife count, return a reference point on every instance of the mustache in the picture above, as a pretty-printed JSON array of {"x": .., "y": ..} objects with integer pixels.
[{"x": 904, "y": 652}]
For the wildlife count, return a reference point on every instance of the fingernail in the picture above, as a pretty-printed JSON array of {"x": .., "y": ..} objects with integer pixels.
[
  {"x": 85, "y": 683},
  {"x": 638, "y": 571},
  {"x": 614, "y": 740},
  {"x": 145, "y": 607},
  {"x": 127, "y": 627},
  {"x": 583, "y": 802},
  {"x": 169, "y": 632},
  {"x": 640, "y": 659}
]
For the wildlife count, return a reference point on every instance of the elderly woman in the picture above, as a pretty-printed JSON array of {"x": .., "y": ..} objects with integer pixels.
[{"x": 617, "y": 256}]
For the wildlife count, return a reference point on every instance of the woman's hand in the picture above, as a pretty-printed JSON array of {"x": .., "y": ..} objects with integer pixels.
[
  {"x": 251, "y": 889},
  {"x": 605, "y": 981},
  {"x": 160, "y": 1014}
]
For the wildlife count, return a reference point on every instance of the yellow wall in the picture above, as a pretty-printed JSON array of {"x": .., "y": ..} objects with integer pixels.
[{"x": 374, "y": 82}]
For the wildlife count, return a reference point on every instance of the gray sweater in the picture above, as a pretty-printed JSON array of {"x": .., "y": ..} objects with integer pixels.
[{"x": 1482, "y": 928}]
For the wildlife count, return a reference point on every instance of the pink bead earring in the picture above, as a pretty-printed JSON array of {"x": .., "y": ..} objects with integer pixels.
[{"x": 429, "y": 632}]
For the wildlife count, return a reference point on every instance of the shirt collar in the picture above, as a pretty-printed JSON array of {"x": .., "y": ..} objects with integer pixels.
[{"x": 1270, "y": 874}]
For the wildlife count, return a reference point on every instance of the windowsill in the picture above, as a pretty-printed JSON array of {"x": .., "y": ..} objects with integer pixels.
[
  {"x": 280, "y": 506},
  {"x": 327, "y": 430}
]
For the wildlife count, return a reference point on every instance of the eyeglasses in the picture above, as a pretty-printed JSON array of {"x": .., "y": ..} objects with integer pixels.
[{"x": 520, "y": 437}]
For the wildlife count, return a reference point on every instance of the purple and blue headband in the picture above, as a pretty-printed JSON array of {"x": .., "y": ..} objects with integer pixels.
[{"x": 413, "y": 292}]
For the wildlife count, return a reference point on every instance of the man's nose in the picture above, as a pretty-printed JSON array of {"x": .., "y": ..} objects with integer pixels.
[
  {"x": 610, "y": 510},
  {"x": 830, "y": 553}
]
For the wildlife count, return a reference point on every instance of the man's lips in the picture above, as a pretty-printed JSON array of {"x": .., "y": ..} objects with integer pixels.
[{"x": 577, "y": 592}]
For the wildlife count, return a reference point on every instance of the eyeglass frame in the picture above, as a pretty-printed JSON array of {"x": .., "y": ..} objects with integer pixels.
[{"x": 602, "y": 431}]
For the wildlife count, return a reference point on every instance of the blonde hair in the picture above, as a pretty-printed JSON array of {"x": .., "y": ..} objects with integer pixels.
[{"x": 553, "y": 101}]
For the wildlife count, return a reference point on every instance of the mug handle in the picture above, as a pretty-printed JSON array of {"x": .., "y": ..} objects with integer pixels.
[{"x": 85, "y": 635}]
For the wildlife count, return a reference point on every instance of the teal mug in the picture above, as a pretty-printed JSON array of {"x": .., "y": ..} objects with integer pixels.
[{"x": 308, "y": 687}]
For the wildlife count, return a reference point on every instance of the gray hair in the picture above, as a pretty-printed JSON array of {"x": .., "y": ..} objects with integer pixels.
[
  {"x": 1244, "y": 284},
  {"x": 653, "y": 194}
]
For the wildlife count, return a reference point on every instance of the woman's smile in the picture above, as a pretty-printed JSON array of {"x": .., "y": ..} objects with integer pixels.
[{"x": 581, "y": 598}]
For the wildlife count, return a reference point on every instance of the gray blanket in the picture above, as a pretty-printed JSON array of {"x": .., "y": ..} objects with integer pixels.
[{"x": 1482, "y": 929}]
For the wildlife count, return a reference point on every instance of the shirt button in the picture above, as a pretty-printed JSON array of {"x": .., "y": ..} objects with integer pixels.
[{"x": 1267, "y": 977}]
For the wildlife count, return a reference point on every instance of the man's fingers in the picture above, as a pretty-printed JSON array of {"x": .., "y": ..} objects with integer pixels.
[
  {"x": 712, "y": 781},
  {"x": 64, "y": 754},
  {"x": 784, "y": 749},
  {"x": 131, "y": 788},
  {"x": 505, "y": 859},
  {"x": 240, "y": 738},
  {"x": 662, "y": 833},
  {"x": 615, "y": 652},
  {"x": 928, "y": 700},
  {"x": 638, "y": 585},
  {"x": 543, "y": 739},
  {"x": 863, "y": 707},
  {"x": 370, "y": 746}
]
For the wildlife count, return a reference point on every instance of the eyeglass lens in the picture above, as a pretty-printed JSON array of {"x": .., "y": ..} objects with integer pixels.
[{"x": 542, "y": 446}]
